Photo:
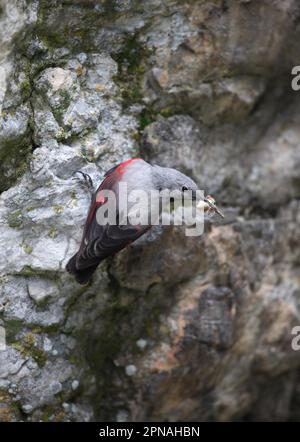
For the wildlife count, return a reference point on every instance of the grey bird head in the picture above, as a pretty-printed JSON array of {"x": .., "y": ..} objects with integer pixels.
[
  {"x": 178, "y": 184},
  {"x": 173, "y": 180}
]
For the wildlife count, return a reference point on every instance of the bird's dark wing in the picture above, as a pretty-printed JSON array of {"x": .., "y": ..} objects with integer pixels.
[{"x": 100, "y": 241}]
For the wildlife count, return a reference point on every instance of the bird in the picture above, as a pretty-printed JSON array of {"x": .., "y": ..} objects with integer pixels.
[{"x": 101, "y": 241}]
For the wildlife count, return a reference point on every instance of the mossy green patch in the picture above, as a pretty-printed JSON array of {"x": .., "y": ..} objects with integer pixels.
[
  {"x": 53, "y": 413},
  {"x": 7, "y": 412},
  {"x": 60, "y": 26},
  {"x": 65, "y": 98},
  {"x": 28, "y": 348},
  {"x": 15, "y": 155},
  {"x": 15, "y": 219},
  {"x": 28, "y": 271},
  {"x": 58, "y": 209},
  {"x": 26, "y": 247},
  {"x": 52, "y": 233},
  {"x": 13, "y": 327},
  {"x": 25, "y": 89},
  {"x": 61, "y": 134},
  {"x": 147, "y": 116},
  {"x": 131, "y": 69},
  {"x": 132, "y": 63},
  {"x": 58, "y": 113}
]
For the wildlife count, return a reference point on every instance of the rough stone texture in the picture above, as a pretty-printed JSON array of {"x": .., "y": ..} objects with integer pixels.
[{"x": 173, "y": 328}]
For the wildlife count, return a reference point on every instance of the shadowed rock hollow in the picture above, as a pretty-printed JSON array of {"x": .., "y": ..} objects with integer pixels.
[{"x": 173, "y": 328}]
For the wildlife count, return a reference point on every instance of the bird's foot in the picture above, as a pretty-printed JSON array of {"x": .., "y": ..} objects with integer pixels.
[{"x": 87, "y": 180}]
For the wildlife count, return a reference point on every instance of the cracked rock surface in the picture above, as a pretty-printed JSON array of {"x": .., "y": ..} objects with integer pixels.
[{"x": 173, "y": 328}]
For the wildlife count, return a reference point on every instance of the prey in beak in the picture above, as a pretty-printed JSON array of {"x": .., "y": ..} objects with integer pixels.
[{"x": 209, "y": 206}]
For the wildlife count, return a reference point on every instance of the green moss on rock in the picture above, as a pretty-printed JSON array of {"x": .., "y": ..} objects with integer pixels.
[
  {"x": 52, "y": 233},
  {"x": 13, "y": 327},
  {"x": 131, "y": 64},
  {"x": 26, "y": 247},
  {"x": 27, "y": 346},
  {"x": 58, "y": 209},
  {"x": 15, "y": 219}
]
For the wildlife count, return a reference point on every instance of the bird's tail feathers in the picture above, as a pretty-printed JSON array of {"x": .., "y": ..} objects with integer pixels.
[{"x": 82, "y": 276}]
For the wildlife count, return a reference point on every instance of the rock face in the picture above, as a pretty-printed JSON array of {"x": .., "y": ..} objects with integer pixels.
[{"x": 173, "y": 328}]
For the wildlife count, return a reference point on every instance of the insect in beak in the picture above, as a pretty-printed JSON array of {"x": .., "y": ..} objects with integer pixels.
[{"x": 211, "y": 205}]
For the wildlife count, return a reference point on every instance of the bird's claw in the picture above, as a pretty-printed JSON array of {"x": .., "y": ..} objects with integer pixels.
[{"x": 87, "y": 179}]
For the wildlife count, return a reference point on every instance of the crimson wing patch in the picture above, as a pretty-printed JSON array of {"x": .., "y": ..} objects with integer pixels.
[{"x": 101, "y": 241}]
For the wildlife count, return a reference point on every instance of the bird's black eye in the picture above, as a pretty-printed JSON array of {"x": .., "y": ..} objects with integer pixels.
[{"x": 184, "y": 189}]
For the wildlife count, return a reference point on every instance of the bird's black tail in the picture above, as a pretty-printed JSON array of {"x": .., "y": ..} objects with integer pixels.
[{"x": 82, "y": 276}]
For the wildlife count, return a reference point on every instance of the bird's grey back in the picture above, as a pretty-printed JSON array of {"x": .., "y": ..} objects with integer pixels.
[
  {"x": 168, "y": 178},
  {"x": 138, "y": 176}
]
